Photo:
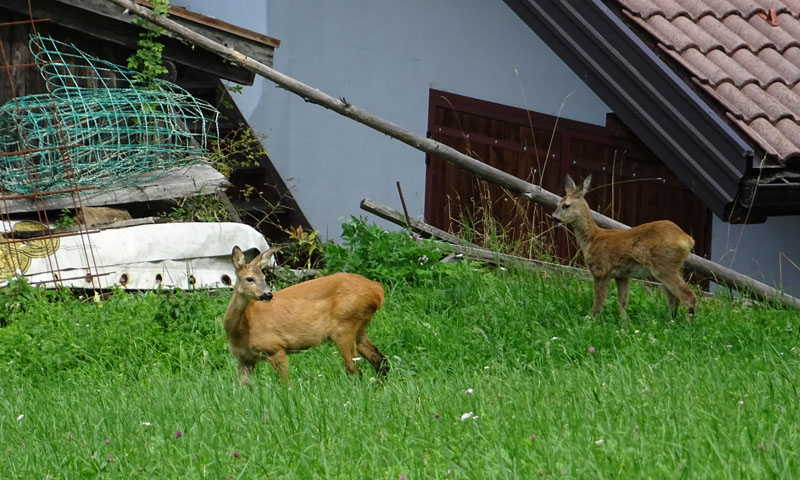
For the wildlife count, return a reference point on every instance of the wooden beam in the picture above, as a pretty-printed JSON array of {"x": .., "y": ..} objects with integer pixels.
[
  {"x": 187, "y": 182},
  {"x": 529, "y": 191}
]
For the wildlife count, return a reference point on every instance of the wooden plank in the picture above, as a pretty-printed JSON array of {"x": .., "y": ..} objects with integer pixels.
[
  {"x": 175, "y": 11},
  {"x": 187, "y": 182}
]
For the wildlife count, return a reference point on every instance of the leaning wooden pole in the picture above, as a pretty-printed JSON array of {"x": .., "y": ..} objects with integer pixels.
[{"x": 527, "y": 190}]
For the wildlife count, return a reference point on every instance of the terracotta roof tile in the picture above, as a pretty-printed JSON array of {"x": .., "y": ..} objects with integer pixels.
[
  {"x": 694, "y": 9},
  {"x": 757, "y": 68},
  {"x": 643, "y": 8},
  {"x": 701, "y": 38},
  {"x": 748, "y": 63},
  {"x": 724, "y": 36},
  {"x": 780, "y": 38},
  {"x": 786, "y": 96},
  {"x": 790, "y": 24},
  {"x": 737, "y": 73},
  {"x": 749, "y": 8},
  {"x": 736, "y": 102},
  {"x": 789, "y": 72},
  {"x": 721, "y": 8},
  {"x": 701, "y": 67},
  {"x": 775, "y": 137},
  {"x": 769, "y": 105},
  {"x": 752, "y": 37},
  {"x": 670, "y": 34}
]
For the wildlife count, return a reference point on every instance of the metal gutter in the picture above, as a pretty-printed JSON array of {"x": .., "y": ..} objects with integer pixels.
[{"x": 656, "y": 104}]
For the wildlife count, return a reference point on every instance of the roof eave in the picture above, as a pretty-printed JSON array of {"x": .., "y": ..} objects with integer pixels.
[{"x": 694, "y": 142}]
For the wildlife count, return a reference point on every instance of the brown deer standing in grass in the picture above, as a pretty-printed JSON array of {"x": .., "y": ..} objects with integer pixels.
[
  {"x": 265, "y": 325},
  {"x": 658, "y": 248}
]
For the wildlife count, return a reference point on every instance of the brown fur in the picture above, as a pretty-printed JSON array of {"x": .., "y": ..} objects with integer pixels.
[
  {"x": 262, "y": 325},
  {"x": 100, "y": 215},
  {"x": 656, "y": 248}
]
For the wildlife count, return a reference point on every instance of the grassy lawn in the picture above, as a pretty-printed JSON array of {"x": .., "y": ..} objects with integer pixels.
[{"x": 495, "y": 374}]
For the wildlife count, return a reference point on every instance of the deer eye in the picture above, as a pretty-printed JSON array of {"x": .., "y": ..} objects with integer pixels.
[
  {"x": 565, "y": 206},
  {"x": 250, "y": 279}
]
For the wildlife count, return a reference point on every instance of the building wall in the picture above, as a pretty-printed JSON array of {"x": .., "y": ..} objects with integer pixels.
[
  {"x": 769, "y": 252},
  {"x": 384, "y": 57}
]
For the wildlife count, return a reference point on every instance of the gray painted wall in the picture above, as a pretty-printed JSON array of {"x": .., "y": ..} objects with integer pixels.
[
  {"x": 769, "y": 252},
  {"x": 383, "y": 57}
]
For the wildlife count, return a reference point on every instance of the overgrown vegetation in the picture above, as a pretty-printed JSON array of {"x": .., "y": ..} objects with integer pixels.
[
  {"x": 495, "y": 374},
  {"x": 146, "y": 60}
]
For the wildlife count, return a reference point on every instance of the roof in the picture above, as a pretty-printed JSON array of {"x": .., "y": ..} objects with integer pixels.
[
  {"x": 105, "y": 21},
  {"x": 709, "y": 85},
  {"x": 745, "y": 54}
]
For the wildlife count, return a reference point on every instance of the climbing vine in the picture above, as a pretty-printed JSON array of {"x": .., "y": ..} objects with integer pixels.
[{"x": 146, "y": 60}]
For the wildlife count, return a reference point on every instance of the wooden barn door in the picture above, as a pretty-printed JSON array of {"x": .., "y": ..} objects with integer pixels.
[{"x": 629, "y": 183}]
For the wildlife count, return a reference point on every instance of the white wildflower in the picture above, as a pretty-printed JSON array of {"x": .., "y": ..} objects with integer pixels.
[{"x": 466, "y": 416}]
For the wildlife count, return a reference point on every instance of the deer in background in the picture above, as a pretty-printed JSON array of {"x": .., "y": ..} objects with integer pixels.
[
  {"x": 265, "y": 325},
  {"x": 658, "y": 248}
]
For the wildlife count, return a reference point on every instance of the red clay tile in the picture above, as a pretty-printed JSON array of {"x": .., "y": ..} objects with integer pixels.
[
  {"x": 739, "y": 75},
  {"x": 786, "y": 96},
  {"x": 728, "y": 39},
  {"x": 736, "y": 102},
  {"x": 751, "y": 67},
  {"x": 775, "y": 137},
  {"x": 721, "y": 8},
  {"x": 769, "y": 105},
  {"x": 778, "y": 36},
  {"x": 755, "y": 136},
  {"x": 748, "y": 8},
  {"x": 695, "y": 10},
  {"x": 641, "y": 8},
  {"x": 793, "y": 6},
  {"x": 669, "y": 34},
  {"x": 788, "y": 71},
  {"x": 757, "y": 68},
  {"x": 790, "y": 24},
  {"x": 701, "y": 67},
  {"x": 792, "y": 55},
  {"x": 747, "y": 32},
  {"x": 700, "y": 37}
]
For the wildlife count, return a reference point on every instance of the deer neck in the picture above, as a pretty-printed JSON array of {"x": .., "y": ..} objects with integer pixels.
[
  {"x": 585, "y": 228},
  {"x": 235, "y": 312}
]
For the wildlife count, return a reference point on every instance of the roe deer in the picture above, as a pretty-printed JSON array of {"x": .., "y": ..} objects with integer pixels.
[
  {"x": 261, "y": 324},
  {"x": 659, "y": 248}
]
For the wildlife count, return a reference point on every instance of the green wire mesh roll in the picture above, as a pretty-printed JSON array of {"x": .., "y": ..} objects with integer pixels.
[{"x": 96, "y": 128}]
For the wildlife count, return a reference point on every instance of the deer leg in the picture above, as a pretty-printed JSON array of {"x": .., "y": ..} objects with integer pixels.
[
  {"x": 600, "y": 292},
  {"x": 673, "y": 302},
  {"x": 622, "y": 295},
  {"x": 368, "y": 350},
  {"x": 280, "y": 364},
  {"x": 679, "y": 289},
  {"x": 346, "y": 345},
  {"x": 244, "y": 370}
]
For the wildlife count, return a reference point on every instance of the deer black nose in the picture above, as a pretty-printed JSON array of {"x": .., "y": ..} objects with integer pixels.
[{"x": 266, "y": 296}]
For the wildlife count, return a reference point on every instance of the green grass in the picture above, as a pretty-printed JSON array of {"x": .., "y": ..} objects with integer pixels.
[{"x": 716, "y": 398}]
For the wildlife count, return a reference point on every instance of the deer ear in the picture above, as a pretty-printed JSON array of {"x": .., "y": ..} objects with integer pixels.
[
  {"x": 237, "y": 258},
  {"x": 264, "y": 260},
  {"x": 586, "y": 183},
  {"x": 569, "y": 184}
]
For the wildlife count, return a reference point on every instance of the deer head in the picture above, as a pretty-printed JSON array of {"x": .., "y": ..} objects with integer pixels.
[
  {"x": 250, "y": 280},
  {"x": 572, "y": 206}
]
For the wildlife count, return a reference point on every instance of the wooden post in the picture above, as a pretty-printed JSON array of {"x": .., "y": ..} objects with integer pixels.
[{"x": 527, "y": 190}]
